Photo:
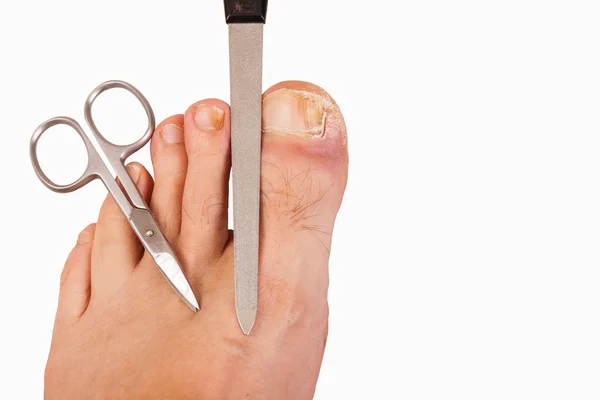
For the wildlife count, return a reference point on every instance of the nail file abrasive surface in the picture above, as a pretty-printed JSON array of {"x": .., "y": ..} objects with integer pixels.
[{"x": 246, "y": 19}]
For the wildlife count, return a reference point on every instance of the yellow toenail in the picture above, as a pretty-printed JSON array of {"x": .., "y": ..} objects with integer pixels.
[
  {"x": 294, "y": 112},
  {"x": 208, "y": 117},
  {"x": 172, "y": 134}
]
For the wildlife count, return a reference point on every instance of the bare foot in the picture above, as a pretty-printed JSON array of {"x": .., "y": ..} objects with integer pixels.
[{"x": 121, "y": 332}]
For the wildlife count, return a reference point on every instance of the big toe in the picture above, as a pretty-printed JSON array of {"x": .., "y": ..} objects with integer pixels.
[
  {"x": 305, "y": 155},
  {"x": 304, "y": 174},
  {"x": 304, "y": 171}
]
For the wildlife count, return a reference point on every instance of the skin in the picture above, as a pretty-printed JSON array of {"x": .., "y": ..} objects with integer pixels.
[{"x": 121, "y": 332}]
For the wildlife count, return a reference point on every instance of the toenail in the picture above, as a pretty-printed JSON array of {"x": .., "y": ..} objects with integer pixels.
[
  {"x": 134, "y": 172},
  {"x": 172, "y": 134},
  {"x": 295, "y": 112},
  {"x": 208, "y": 117},
  {"x": 84, "y": 237}
]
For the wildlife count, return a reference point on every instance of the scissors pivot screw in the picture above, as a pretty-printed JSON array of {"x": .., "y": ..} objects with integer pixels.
[{"x": 149, "y": 233}]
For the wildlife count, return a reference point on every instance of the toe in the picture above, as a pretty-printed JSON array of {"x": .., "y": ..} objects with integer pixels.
[
  {"x": 304, "y": 162},
  {"x": 75, "y": 279},
  {"x": 116, "y": 249},
  {"x": 170, "y": 162},
  {"x": 204, "y": 220},
  {"x": 304, "y": 173}
]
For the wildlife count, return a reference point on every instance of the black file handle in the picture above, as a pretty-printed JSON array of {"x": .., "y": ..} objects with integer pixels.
[{"x": 245, "y": 11}]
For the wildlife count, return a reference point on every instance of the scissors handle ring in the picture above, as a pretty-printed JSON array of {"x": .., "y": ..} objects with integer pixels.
[
  {"x": 88, "y": 175},
  {"x": 126, "y": 150}
]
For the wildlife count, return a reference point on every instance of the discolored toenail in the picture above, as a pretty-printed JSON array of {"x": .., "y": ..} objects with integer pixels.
[
  {"x": 172, "y": 134},
  {"x": 295, "y": 112},
  {"x": 208, "y": 117}
]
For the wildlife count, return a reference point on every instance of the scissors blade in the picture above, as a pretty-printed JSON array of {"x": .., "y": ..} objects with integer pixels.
[
  {"x": 170, "y": 268},
  {"x": 245, "y": 59},
  {"x": 146, "y": 228}
]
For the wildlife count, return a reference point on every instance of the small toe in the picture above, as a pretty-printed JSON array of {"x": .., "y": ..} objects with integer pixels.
[
  {"x": 116, "y": 249},
  {"x": 205, "y": 199},
  {"x": 74, "y": 293},
  {"x": 170, "y": 163}
]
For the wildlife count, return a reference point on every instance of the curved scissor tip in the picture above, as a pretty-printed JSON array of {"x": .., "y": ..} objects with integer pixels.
[
  {"x": 168, "y": 265},
  {"x": 184, "y": 290},
  {"x": 191, "y": 302}
]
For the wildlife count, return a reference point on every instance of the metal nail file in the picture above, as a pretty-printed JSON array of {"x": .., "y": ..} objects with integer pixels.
[{"x": 246, "y": 19}]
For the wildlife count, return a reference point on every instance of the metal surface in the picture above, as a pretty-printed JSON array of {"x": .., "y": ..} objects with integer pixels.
[
  {"x": 245, "y": 60},
  {"x": 129, "y": 199}
]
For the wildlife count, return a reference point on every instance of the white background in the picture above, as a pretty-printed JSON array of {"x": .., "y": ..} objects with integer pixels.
[{"x": 466, "y": 259}]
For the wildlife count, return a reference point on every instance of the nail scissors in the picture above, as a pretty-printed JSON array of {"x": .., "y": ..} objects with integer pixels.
[{"x": 128, "y": 198}]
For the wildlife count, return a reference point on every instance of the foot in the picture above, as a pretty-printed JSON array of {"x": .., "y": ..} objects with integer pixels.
[{"x": 120, "y": 330}]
